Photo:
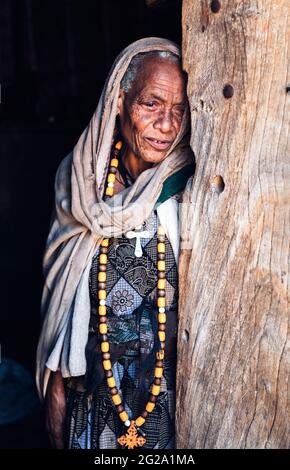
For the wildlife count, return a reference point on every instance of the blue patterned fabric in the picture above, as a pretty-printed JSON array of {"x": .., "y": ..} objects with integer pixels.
[{"x": 93, "y": 421}]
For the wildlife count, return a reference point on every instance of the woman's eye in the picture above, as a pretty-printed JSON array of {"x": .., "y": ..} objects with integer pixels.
[{"x": 150, "y": 104}]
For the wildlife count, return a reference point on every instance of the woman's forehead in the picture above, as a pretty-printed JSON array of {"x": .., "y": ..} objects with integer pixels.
[{"x": 159, "y": 75}]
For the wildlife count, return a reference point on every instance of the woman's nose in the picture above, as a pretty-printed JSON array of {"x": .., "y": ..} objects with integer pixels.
[{"x": 164, "y": 122}]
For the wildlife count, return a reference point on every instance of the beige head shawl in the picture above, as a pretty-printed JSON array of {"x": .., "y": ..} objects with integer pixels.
[{"x": 81, "y": 218}]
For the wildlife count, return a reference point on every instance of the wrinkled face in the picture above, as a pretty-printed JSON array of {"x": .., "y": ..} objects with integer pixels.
[{"x": 151, "y": 112}]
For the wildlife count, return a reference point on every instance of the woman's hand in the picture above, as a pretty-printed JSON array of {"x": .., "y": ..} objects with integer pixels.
[{"x": 55, "y": 407}]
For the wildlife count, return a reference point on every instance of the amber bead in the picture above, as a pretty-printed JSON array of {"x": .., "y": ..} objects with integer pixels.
[
  {"x": 123, "y": 416},
  {"x": 109, "y": 191},
  {"x": 139, "y": 421},
  {"x": 103, "y": 328},
  {"x": 102, "y": 277},
  {"x": 158, "y": 372},
  {"x": 150, "y": 407},
  {"x": 155, "y": 390},
  {"x": 103, "y": 258},
  {"x": 160, "y": 301},
  {"x": 111, "y": 178},
  {"x": 161, "y": 248},
  {"x": 102, "y": 294},
  {"x": 116, "y": 399},
  {"x": 160, "y": 355},
  {"x": 160, "y": 284},
  {"x": 105, "y": 347},
  {"x": 118, "y": 145},
  {"x": 103, "y": 310},
  {"x": 107, "y": 364},
  {"x": 111, "y": 382},
  {"x": 114, "y": 162},
  {"x": 160, "y": 265}
]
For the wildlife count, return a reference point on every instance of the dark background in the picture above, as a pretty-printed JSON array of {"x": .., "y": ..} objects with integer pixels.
[{"x": 54, "y": 58}]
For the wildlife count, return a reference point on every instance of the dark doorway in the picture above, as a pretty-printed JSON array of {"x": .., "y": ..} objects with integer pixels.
[{"x": 54, "y": 58}]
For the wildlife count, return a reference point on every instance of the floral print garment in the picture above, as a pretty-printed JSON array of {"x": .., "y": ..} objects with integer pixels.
[{"x": 93, "y": 421}]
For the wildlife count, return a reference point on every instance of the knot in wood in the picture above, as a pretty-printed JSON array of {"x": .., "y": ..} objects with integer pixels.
[
  {"x": 228, "y": 91},
  {"x": 215, "y": 6},
  {"x": 217, "y": 184}
]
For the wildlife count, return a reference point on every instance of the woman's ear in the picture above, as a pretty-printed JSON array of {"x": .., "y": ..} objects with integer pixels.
[{"x": 120, "y": 102}]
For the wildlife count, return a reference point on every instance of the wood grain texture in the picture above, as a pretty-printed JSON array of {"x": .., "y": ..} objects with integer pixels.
[{"x": 234, "y": 340}]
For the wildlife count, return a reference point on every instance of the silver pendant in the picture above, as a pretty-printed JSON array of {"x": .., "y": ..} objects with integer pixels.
[{"x": 138, "y": 235}]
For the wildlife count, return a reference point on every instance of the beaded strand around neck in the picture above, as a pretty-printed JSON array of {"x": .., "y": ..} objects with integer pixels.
[{"x": 134, "y": 435}]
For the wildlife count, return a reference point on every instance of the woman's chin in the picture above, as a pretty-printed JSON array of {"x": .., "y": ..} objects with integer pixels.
[{"x": 153, "y": 158}]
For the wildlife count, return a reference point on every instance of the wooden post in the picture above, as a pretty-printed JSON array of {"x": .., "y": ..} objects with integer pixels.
[{"x": 233, "y": 379}]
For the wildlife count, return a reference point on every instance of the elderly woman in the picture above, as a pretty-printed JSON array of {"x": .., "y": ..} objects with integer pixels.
[{"x": 107, "y": 352}]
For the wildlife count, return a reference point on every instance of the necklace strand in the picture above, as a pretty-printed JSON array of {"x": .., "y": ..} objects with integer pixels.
[{"x": 131, "y": 439}]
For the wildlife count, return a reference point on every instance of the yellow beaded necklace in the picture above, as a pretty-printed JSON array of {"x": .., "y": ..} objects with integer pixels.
[{"x": 131, "y": 438}]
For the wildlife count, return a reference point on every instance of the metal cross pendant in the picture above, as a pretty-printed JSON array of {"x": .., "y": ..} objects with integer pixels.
[
  {"x": 138, "y": 234},
  {"x": 131, "y": 438}
]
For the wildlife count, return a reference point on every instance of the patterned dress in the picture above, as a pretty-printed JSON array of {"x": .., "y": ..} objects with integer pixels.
[{"x": 92, "y": 419}]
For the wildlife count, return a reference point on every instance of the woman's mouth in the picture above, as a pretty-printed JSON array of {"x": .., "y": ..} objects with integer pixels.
[{"x": 159, "y": 144}]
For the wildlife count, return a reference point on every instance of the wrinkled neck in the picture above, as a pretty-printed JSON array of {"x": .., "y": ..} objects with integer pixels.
[{"x": 134, "y": 164}]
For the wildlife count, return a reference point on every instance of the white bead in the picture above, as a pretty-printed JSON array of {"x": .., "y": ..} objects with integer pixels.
[
  {"x": 161, "y": 310},
  {"x": 127, "y": 423},
  {"x": 110, "y": 185},
  {"x": 64, "y": 203},
  {"x": 102, "y": 302}
]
